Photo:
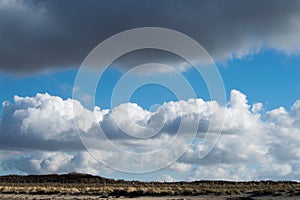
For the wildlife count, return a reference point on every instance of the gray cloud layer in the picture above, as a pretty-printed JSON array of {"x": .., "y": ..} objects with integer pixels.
[{"x": 36, "y": 35}]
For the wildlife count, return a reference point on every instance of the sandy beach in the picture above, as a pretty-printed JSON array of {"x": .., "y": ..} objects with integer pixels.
[{"x": 91, "y": 197}]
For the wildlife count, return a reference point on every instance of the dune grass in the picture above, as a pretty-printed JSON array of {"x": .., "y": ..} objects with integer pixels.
[{"x": 77, "y": 184}]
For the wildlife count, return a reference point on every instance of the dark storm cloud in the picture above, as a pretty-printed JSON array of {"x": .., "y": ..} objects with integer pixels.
[{"x": 36, "y": 35}]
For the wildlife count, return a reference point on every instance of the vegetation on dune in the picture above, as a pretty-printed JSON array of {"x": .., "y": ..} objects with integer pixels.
[{"x": 75, "y": 183}]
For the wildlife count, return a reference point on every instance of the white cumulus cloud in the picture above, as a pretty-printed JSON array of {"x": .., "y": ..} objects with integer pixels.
[{"x": 37, "y": 135}]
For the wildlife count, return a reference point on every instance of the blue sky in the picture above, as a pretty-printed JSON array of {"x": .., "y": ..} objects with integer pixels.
[{"x": 269, "y": 77}]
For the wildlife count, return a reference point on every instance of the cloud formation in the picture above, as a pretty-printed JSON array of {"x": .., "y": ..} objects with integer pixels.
[
  {"x": 255, "y": 144},
  {"x": 38, "y": 35}
]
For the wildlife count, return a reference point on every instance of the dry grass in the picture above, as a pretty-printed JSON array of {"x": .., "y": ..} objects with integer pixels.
[{"x": 108, "y": 187}]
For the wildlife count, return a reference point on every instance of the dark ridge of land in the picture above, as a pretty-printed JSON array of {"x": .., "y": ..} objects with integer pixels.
[
  {"x": 56, "y": 178},
  {"x": 85, "y": 184}
]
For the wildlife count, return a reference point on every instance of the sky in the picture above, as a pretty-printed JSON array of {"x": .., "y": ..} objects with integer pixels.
[{"x": 52, "y": 121}]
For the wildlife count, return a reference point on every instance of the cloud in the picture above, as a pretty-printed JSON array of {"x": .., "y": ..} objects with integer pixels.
[
  {"x": 223, "y": 172},
  {"x": 44, "y": 122},
  {"x": 37, "y": 136},
  {"x": 55, "y": 162},
  {"x": 40, "y": 35},
  {"x": 181, "y": 167},
  {"x": 166, "y": 178}
]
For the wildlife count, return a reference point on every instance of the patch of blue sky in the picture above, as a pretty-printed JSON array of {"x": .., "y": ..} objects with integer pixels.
[{"x": 269, "y": 77}]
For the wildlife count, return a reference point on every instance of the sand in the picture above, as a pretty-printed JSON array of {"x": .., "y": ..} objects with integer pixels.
[{"x": 83, "y": 197}]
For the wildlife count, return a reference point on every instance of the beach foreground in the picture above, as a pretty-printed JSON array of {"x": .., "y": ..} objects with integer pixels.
[{"x": 91, "y": 197}]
